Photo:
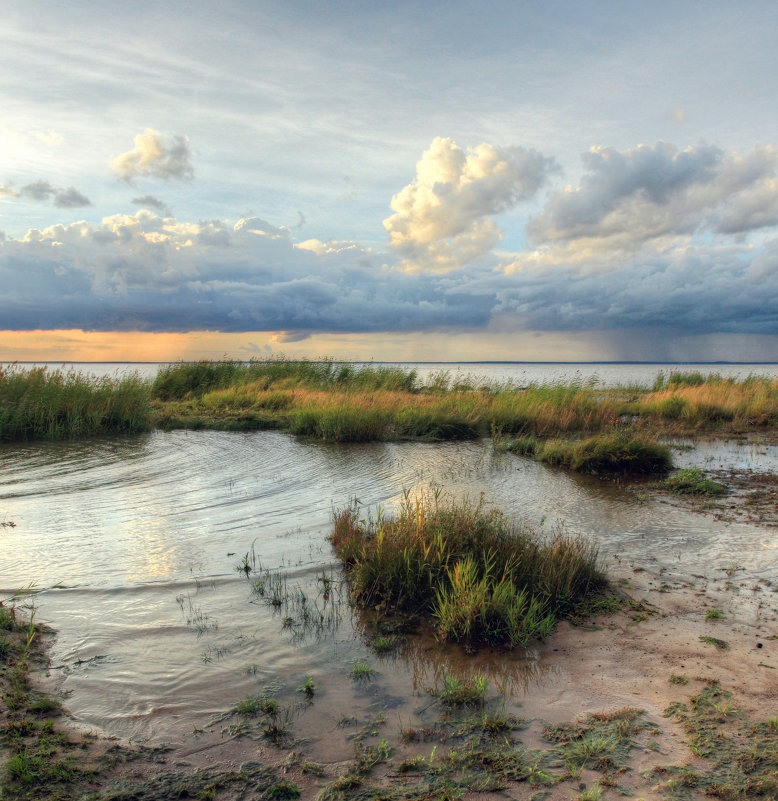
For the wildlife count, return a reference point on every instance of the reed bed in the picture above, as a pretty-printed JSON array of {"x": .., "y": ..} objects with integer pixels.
[
  {"x": 350, "y": 403},
  {"x": 51, "y": 404},
  {"x": 338, "y": 402},
  {"x": 465, "y": 568}
]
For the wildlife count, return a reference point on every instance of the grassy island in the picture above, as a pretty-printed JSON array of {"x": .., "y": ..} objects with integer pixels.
[{"x": 466, "y": 569}]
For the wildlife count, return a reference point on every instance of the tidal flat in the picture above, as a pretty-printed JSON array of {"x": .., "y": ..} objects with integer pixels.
[{"x": 200, "y": 616}]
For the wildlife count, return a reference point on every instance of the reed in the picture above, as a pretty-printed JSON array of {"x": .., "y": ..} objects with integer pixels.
[
  {"x": 194, "y": 379},
  {"x": 38, "y": 403},
  {"x": 476, "y": 577}
]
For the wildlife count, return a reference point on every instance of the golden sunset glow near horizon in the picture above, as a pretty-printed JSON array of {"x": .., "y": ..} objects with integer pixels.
[{"x": 560, "y": 182}]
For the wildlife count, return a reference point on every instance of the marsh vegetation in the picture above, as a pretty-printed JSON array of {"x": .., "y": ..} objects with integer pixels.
[
  {"x": 466, "y": 569},
  {"x": 341, "y": 402},
  {"x": 52, "y": 404}
]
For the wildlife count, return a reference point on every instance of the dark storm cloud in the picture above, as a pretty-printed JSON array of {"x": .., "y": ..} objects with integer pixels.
[{"x": 143, "y": 272}]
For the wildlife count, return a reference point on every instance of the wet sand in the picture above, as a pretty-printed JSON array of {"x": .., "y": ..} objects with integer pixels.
[{"x": 623, "y": 660}]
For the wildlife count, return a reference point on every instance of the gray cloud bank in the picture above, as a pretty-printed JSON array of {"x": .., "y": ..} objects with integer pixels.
[{"x": 651, "y": 238}]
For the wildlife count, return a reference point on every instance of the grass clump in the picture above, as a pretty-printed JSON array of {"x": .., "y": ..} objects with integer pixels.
[
  {"x": 361, "y": 671},
  {"x": 714, "y": 614},
  {"x": 613, "y": 454},
  {"x": 39, "y": 403},
  {"x": 466, "y": 569},
  {"x": 255, "y": 705},
  {"x": 282, "y": 791},
  {"x": 468, "y": 691},
  {"x": 601, "y": 741},
  {"x": 721, "y": 645},
  {"x": 692, "y": 481}
]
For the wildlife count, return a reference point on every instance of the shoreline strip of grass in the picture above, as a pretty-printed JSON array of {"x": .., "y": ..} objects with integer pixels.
[
  {"x": 339, "y": 402},
  {"x": 51, "y": 404}
]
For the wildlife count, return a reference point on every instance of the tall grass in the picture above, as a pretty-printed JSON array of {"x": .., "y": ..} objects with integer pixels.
[
  {"x": 340, "y": 402},
  {"x": 39, "y": 403},
  {"x": 194, "y": 379},
  {"x": 466, "y": 568}
]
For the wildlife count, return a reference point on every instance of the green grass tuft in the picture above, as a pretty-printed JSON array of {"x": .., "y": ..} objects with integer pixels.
[
  {"x": 360, "y": 670},
  {"x": 607, "y": 455},
  {"x": 692, "y": 481},
  {"x": 466, "y": 569},
  {"x": 468, "y": 691}
]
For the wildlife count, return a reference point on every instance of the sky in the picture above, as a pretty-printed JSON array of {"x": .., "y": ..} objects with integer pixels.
[{"x": 412, "y": 181}]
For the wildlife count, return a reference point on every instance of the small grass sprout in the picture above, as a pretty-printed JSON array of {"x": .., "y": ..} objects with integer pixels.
[
  {"x": 361, "y": 670},
  {"x": 467, "y": 691},
  {"x": 721, "y": 645},
  {"x": 307, "y": 688},
  {"x": 592, "y": 794},
  {"x": 714, "y": 614}
]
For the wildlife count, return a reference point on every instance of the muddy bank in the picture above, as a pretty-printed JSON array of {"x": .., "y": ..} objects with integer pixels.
[{"x": 662, "y": 650}]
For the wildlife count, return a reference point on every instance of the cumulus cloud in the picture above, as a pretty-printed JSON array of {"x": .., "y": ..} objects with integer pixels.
[
  {"x": 151, "y": 202},
  {"x": 442, "y": 219},
  {"x": 629, "y": 197},
  {"x": 155, "y": 155}
]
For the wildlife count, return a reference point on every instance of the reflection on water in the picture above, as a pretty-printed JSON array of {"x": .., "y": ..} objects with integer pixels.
[{"x": 139, "y": 546}]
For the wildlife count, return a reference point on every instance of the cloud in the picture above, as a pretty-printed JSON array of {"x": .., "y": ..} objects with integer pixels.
[
  {"x": 38, "y": 190},
  {"x": 151, "y": 202},
  {"x": 43, "y": 191},
  {"x": 6, "y": 191},
  {"x": 155, "y": 155},
  {"x": 144, "y": 272},
  {"x": 283, "y": 337},
  {"x": 70, "y": 198},
  {"x": 442, "y": 219},
  {"x": 629, "y": 197}
]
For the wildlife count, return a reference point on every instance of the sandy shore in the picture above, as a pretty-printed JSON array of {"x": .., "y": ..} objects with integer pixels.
[{"x": 648, "y": 656}]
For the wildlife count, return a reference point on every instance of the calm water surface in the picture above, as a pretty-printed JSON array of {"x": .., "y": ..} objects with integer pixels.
[{"x": 136, "y": 544}]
